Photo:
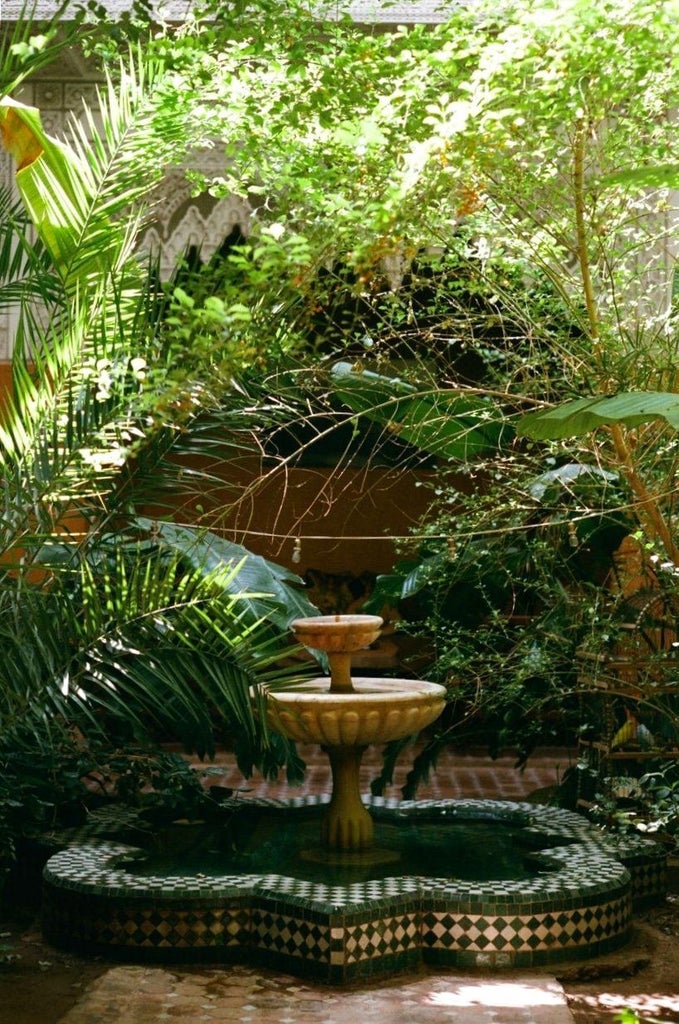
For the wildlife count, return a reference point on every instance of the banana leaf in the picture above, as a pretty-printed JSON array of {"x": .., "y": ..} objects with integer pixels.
[
  {"x": 448, "y": 423},
  {"x": 572, "y": 419},
  {"x": 272, "y": 591}
]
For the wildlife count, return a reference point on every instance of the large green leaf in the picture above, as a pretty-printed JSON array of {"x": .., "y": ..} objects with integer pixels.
[
  {"x": 269, "y": 590},
  {"x": 572, "y": 419},
  {"x": 653, "y": 176},
  {"x": 452, "y": 424}
]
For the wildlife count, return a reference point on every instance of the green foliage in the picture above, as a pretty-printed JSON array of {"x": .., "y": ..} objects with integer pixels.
[
  {"x": 450, "y": 424},
  {"x": 28, "y": 46},
  {"x": 85, "y": 398},
  {"x": 112, "y": 33},
  {"x": 272, "y": 593},
  {"x": 645, "y": 802},
  {"x": 513, "y": 140},
  {"x": 505, "y": 598},
  {"x": 129, "y": 645},
  {"x": 56, "y": 787},
  {"x": 103, "y": 633},
  {"x": 161, "y": 784},
  {"x": 128, "y": 630},
  {"x": 583, "y": 415},
  {"x": 660, "y": 808},
  {"x": 206, "y": 329},
  {"x": 545, "y": 125},
  {"x": 516, "y": 132}
]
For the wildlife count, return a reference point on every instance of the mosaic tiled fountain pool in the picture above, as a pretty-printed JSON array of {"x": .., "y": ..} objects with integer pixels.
[{"x": 342, "y": 888}]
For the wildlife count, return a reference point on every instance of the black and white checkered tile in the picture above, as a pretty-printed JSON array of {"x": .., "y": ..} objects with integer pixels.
[{"x": 581, "y": 904}]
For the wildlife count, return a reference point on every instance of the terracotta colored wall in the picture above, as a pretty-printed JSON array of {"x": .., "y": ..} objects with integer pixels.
[
  {"x": 5, "y": 378},
  {"x": 346, "y": 520}
]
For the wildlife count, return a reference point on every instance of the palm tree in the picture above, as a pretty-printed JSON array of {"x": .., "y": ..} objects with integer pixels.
[{"x": 110, "y": 623}]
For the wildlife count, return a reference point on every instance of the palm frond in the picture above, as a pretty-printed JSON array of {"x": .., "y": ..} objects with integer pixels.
[
  {"x": 99, "y": 634},
  {"x": 25, "y": 272},
  {"x": 27, "y": 44},
  {"x": 125, "y": 634},
  {"x": 78, "y": 410},
  {"x": 82, "y": 194}
]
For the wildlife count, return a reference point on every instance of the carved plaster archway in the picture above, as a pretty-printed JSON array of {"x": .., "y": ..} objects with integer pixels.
[{"x": 182, "y": 220}]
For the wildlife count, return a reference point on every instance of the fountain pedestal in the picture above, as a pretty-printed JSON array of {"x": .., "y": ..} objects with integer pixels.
[
  {"x": 347, "y": 825},
  {"x": 345, "y": 715}
]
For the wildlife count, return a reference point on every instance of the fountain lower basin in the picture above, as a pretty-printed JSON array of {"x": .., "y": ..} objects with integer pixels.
[
  {"x": 344, "y": 723},
  {"x": 579, "y": 906}
]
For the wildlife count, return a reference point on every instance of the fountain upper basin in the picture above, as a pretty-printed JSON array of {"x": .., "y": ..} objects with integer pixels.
[
  {"x": 337, "y": 632},
  {"x": 377, "y": 711}
]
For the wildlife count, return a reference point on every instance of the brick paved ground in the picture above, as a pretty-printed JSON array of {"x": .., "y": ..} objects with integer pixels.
[
  {"x": 459, "y": 774},
  {"x": 143, "y": 995}
]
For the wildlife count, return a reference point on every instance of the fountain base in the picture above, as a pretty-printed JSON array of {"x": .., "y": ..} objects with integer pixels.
[
  {"x": 578, "y": 906},
  {"x": 368, "y": 858}
]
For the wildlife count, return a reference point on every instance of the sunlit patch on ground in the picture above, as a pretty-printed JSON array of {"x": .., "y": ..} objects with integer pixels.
[{"x": 501, "y": 993}]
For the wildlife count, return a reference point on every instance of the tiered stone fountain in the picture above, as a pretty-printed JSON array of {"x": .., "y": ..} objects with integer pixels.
[
  {"x": 574, "y": 899},
  {"x": 346, "y": 715}
]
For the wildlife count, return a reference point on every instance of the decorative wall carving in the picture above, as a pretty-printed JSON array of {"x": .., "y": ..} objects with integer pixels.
[
  {"x": 179, "y": 219},
  {"x": 398, "y": 12}
]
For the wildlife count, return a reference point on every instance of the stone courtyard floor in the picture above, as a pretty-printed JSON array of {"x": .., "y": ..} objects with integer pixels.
[{"x": 47, "y": 986}]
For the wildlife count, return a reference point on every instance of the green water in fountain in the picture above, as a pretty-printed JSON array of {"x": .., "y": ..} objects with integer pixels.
[{"x": 286, "y": 843}]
